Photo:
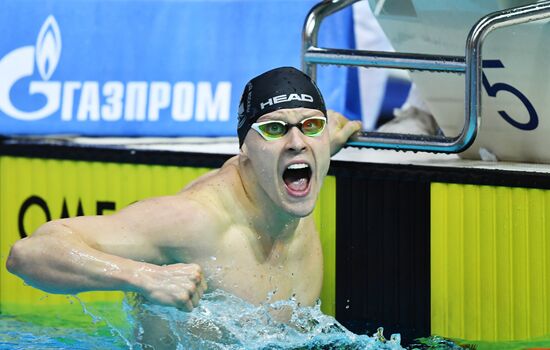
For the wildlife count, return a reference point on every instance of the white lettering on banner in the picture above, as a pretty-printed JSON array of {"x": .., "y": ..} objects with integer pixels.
[
  {"x": 136, "y": 99},
  {"x": 92, "y": 101},
  {"x": 88, "y": 108},
  {"x": 182, "y": 106},
  {"x": 159, "y": 98},
  {"x": 69, "y": 89},
  {"x": 216, "y": 108},
  {"x": 114, "y": 94}
]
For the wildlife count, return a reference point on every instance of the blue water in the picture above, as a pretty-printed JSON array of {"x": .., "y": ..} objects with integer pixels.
[{"x": 230, "y": 323}]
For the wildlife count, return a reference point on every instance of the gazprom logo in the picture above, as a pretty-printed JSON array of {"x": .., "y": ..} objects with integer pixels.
[
  {"x": 19, "y": 64},
  {"x": 109, "y": 101},
  {"x": 48, "y": 48}
]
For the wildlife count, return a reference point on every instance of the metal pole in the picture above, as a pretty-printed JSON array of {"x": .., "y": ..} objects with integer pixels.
[{"x": 471, "y": 65}]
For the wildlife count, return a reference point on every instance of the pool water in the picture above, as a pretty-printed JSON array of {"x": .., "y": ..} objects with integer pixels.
[
  {"x": 235, "y": 323},
  {"x": 66, "y": 326}
]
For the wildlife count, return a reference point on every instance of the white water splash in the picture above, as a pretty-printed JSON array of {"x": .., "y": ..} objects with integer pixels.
[{"x": 224, "y": 321}]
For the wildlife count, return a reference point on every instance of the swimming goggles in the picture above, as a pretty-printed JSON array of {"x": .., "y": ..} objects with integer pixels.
[{"x": 275, "y": 129}]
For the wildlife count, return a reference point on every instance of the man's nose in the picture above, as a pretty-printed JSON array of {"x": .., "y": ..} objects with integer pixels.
[{"x": 296, "y": 140}]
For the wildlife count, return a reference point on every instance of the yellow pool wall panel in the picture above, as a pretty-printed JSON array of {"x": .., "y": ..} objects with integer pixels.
[
  {"x": 489, "y": 262},
  {"x": 67, "y": 185},
  {"x": 70, "y": 185},
  {"x": 325, "y": 218}
]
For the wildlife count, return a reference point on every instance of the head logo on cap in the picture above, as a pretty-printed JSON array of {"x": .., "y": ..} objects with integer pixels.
[{"x": 286, "y": 98}]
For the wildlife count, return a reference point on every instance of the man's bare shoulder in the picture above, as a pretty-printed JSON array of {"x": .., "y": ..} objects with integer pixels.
[
  {"x": 203, "y": 211},
  {"x": 197, "y": 213},
  {"x": 217, "y": 184},
  {"x": 210, "y": 197},
  {"x": 170, "y": 216}
]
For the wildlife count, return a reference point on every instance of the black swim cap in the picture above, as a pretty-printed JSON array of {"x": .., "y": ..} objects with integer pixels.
[{"x": 284, "y": 87}]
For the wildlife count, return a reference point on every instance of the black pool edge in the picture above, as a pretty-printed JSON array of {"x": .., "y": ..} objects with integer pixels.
[{"x": 66, "y": 150}]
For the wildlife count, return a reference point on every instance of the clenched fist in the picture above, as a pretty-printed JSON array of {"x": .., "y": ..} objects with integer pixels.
[{"x": 178, "y": 285}]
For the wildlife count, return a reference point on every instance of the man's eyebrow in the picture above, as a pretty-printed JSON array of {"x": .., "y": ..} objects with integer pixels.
[
  {"x": 312, "y": 112},
  {"x": 317, "y": 114},
  {"x": 278, "y": 116},
  {"x": 274, "y": 116}
]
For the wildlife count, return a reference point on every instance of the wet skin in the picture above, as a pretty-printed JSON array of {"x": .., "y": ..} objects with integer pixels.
[{"x": 240, "y": 228}]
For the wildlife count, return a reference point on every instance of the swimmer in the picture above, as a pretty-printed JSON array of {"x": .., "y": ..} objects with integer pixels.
[{"x": 247, "y": 227}]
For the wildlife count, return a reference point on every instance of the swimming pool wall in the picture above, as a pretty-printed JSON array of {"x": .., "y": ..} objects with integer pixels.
[
  {"x": 461, "y": 253},
  {"x": 454, "y": 251},
  {"x": 490, "y": 261}
]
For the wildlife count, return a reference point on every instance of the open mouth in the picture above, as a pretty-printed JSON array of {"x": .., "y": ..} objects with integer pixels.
[{"x": 297, "y": 178}]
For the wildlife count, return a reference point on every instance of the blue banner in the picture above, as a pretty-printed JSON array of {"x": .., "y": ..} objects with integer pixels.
[{"x": 147, "y": 68}]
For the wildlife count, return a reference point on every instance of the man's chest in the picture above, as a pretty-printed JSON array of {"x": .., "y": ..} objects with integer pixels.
[
  {"x": 258, "y": 282},
  {"x": 240, "y": 264}
]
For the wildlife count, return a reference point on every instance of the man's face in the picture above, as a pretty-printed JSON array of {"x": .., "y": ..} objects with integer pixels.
[{"x": 290, "y": 169}]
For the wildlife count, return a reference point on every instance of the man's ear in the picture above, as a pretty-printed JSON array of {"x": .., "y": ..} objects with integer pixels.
[
  {"x": 244, "y": 150},
  {"x": 243, "y": 156}
]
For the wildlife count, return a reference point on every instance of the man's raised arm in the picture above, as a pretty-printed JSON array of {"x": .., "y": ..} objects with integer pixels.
[{"x": 116, "y": 252}]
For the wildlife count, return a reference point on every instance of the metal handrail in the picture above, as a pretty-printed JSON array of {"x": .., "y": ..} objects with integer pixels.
[{"x": 470, "y": 64}]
